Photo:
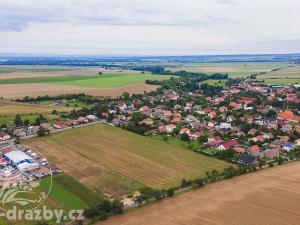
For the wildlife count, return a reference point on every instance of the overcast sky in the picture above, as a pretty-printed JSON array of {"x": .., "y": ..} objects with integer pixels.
[{"x": 149, "y": 27}]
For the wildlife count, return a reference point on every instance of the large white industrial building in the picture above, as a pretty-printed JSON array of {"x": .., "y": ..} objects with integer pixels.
[{"x": 21, "y": 160}]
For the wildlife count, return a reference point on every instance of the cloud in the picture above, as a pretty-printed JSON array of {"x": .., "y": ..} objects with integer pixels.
[{"x": 149, "y": 27}]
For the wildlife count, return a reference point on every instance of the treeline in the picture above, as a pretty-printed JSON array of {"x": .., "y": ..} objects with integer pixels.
[
  {"x": 198, "y": 76},
  {"x": 149, "y": 68},
  {"x": 80, "y": 97},
  {"x": 105, "y": 209},
  {"x": 154, "y": 82}
]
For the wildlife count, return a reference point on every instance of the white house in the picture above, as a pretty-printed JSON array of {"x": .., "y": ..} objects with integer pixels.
[{"x": 225, "y": 126}]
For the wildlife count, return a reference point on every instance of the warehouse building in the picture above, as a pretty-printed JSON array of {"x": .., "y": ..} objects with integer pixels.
[{"x": 20, "y": 160}]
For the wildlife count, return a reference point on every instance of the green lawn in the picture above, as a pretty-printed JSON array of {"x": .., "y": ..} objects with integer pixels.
[
  {"x": 10, "y": 119},
  {"x": 70, "y": 193}
]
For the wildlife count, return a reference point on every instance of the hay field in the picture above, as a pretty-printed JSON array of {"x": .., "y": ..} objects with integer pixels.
[
  {"x": 11, "y": 109},
  {"x": 114, "y": 161},
  {"x": 269, "y": 197}
]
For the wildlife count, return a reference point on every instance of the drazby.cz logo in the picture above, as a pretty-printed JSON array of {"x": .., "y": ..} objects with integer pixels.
[{"x": 23, "y": 191}]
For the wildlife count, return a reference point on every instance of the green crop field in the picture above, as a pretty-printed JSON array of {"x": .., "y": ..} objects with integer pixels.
[
  {"x": 103, "y": 81},
  {"x": 70, "y": 193},
  {"x": 116, "y": 80},
  {"x": 121, "y": 166}
]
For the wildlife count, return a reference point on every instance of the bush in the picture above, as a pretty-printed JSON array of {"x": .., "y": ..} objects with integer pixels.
[{"x": 170, "y": 192}]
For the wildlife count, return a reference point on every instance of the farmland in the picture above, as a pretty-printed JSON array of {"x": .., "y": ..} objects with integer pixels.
[
  {"x": 70, "y": 193},
  {"x": 110, "y": 81},
  {"x": 13, "y": 91},
  {"x": 92, "y": 155},
  {"x": 250, "y": 199},
  {"x": 46, "y": 79},
  {"x": 11, "y": 109},
  {"x": 233, "y": 69},
  {"x": 282, "y": 81},
  {"x": 108, "y": 84},
  {"x": 103, "y": 81}
]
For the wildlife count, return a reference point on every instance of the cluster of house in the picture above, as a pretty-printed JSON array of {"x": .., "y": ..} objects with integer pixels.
[
  {"x": 231, "y": 120},
  {"x": 56, "y": 125}
]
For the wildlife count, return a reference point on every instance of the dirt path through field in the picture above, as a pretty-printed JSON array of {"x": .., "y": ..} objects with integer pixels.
[{"x": 269, "y": 197}]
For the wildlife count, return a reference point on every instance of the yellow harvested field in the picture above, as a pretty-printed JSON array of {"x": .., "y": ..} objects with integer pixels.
[
  {"x": 93, "y": 154},
  {"x": 11, "y": 109},
  {"x": 13, "y": 91},
  {"x": 268, "y": 197}
]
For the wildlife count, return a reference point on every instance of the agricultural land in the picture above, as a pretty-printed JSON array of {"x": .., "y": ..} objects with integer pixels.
[
  {"x": 114, "y": 167},
  {"x": 249, "y": 199}
]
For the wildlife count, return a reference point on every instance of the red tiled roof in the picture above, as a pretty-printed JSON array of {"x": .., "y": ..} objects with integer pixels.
[
  {"x": 230, "y": 143},
  {"x": 247, "y": 99},
  {"x": 289, "y": 115},
  {"x": 254, "y": 148}
]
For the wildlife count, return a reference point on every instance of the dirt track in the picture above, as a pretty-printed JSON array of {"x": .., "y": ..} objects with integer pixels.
[
  {"x": 12, "y": 91},
  {"x": 269, "y": 197}
]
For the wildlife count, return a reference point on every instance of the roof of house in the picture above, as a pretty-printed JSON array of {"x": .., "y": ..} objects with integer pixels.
[
  {"x": 289, "y": 115},
  {"x": 247, "y": 99},
  {"x": 230, "y": 143},
  {"x": 254, "y": 148},
  {"x": 247, "y": 159}
]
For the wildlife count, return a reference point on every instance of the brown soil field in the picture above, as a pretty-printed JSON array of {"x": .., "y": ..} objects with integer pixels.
[
  {"x": 95, "y": 154},
  {"x": 13, "y": 91},
  {"x": 11, "y": 109},
  {"x": 268, "y": 197}
]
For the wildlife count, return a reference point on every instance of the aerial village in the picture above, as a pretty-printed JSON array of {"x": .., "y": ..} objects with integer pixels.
[
  {"x": 252, "y": 127},
  {"x": 230, "y": 124}
]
